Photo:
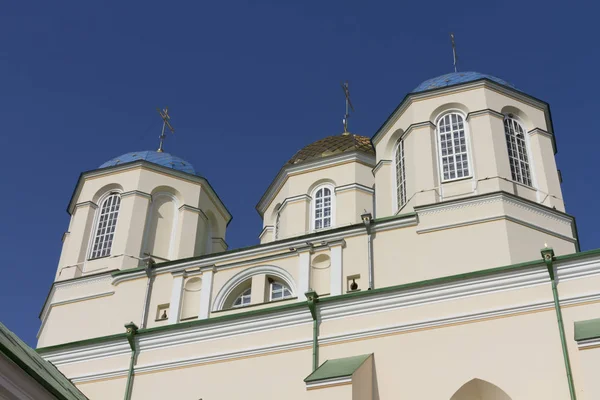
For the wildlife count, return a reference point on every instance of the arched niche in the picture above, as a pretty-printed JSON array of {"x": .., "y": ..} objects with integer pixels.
[
  {"x": 320, "y": 274},
  {"x": 104, "y": 191},
  {"x": 445, "y": 108},
  {"x": 161, "y": 226},
  {"x": 477, "y": 389},
  {"x": 521, "y": 116},
  {"x": 190, "y": 306}
]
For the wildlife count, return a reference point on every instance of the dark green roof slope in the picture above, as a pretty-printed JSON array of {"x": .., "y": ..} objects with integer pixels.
[
  {"x": 589, "y": 329},
  {"x": 337, "y": 368},
  {"x": 35, "y": 366}
]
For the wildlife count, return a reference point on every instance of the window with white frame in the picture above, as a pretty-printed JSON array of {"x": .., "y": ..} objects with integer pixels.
[
  {"x": 243, "y": 299},
  {"x": 323, "y": 208},
  {"x": 400, "y": 175},
  {"x": 517, "y": 151},
  {"x": 105, "y": 226},
  {"x": 279, "y": 291},
  {"x": 452, "y": 137}
]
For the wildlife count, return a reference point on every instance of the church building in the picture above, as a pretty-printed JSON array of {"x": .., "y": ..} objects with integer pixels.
[{"x": 433, "y": 260}]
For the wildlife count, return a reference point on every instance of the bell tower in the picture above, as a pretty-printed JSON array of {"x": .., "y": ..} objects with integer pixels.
[{"x": 140, "y": 205}]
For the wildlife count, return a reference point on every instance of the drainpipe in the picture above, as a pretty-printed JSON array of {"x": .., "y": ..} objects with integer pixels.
[
  {"x": 367, "y": 219},
  {"x": 148, "y": 268},
  {"x": 131, "y": 332},
  {"x": 312, "y": 300},
  {"x": 548, "y": 257}
]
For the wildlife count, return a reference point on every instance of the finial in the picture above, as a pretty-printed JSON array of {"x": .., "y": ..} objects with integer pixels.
[
  {"x": 164, "y": 114},
  {"x": 454, "y": 51},
  {"x": 349, "y": 105}
]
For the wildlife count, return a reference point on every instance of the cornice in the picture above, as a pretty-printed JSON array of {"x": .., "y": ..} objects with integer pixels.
[
  {"x": 137, "y": 193},
  {"x": 142, "y": 164},
  {"x": 479, "y": 283},
  {"x": 480, "y": 83},
  {"x": 294, "y": 199},
  {"x": 485, "y": 111},
  {"x": 354, "y": 186},
  {"x": 287, "y": 170},
  {"x": 86, "y": 204},
  {"x": 380, "y": 164}
]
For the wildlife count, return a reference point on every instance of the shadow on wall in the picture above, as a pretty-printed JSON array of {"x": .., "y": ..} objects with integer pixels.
[{"x": 480, "y": 390}]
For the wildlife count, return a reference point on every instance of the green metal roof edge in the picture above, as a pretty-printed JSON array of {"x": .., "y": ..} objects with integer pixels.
[
  {"x": 589, "y": 329},
  {"x": 256, "y": 246},
  {"x": 351, "y": 295},
  {"x": 337, "y": 368},
  {"x": 48, "y": 376}
]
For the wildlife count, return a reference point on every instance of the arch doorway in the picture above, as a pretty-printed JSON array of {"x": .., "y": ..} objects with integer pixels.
[{"x": 478, "y": 389}]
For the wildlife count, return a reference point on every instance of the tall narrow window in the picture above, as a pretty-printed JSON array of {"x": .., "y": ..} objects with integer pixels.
[
  {"x": 323, "y": 208},
  {"x": 454, "y": 158},
  {"x": 400, "y": 175},
  {"x": 517, "y": 151},
  {"x": 279, "y": 291},
  {"x": 243, "y": 299},
  {"x": 105, "y": 228},
  {"x": 277, "y": 223}
]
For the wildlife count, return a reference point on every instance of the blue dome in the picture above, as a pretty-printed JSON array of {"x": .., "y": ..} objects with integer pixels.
[
  {"x": 164, "y": 159},
  {"x": 455, "y": 78}
]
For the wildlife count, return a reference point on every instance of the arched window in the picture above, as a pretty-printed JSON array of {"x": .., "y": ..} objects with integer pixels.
[
  {"x": 517, "y": 151},
  {"x": 277, "y": 223},
  {"x": 105, "y": 226},
  {"x": 454, "y": 157},
  {"x": 323, "y": 208},
  {"x": 243, "y": 299},
  {"x": 400, "y": 175},
  {"x": 279, "y": 291}
]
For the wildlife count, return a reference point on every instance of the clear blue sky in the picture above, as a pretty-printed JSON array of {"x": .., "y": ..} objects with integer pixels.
[{"x": 80, "y": 82}]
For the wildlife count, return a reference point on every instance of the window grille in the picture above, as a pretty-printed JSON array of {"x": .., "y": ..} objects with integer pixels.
[
  {"x": 279, "y": 291},
  {"x": 517, "y": 151},
  {"x": 105, "y": 228},
  {"x": 400, "y": 175},
  {"x": 323, "y": 208},
  {"x": 453, "y": 147},
  {"x": 243, "y": 299}
]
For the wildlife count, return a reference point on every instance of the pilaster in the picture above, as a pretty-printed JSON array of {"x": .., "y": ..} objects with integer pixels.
[
  {"x": 336, "y": 281},
  {"x": 176, "y": 294},
  {"x": 206, "y": 292},
  {"x": 304, "y": 269}
]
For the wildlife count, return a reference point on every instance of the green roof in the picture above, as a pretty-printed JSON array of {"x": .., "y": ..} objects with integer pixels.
[
  {"x": 589, "y": 329},
  {"x": 337, "y": 368},
  {"x": 35, "y": 366}
]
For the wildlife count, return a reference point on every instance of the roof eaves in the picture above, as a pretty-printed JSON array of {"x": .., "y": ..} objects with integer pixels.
[{"x": 411, "y": 95}]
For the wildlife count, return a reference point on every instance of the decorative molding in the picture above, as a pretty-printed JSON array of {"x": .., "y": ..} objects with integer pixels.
[
  {"x": 355, "y": 186},
  {"x": 232, "y": 283},
  {"x": 86, "y": 204},
  {"x": 344, "y": 307},
  {"x": 485, "y": 111},
  {"x": 480, "y": 83},
  {"x": 59, "y": 286},
  {"x": 493, "y": 219},
  {"x": 186, "y": 207},
  {"x": 294, "y": 199},
  {"x": 137, "y": 193},
  {"x": 380, "y": 164},
  {"x": 457, "y": 204},
  {"x": 588, "y": 344},
  {"x": 540, "y": 131},
  {"x": 266, "y": 229}
]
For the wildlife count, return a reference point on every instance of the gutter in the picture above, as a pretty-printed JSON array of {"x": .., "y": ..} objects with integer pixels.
[
  {"x": 367, "y": 219},
  {"x": 148, "y": 269},
  {"x": 548, "y": 257},
  {"x": 131, "y": 332},
  {"x": 312, "y": 300}
]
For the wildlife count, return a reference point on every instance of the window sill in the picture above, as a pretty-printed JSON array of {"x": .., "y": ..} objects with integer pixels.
[
  {"x": 255, "y": 305},
  {"x": 188, "y": 318},
  {"x": 464, "y": 178},
  {"x": 161, "y": 319},
  {"x": 98, "y": 258}
]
